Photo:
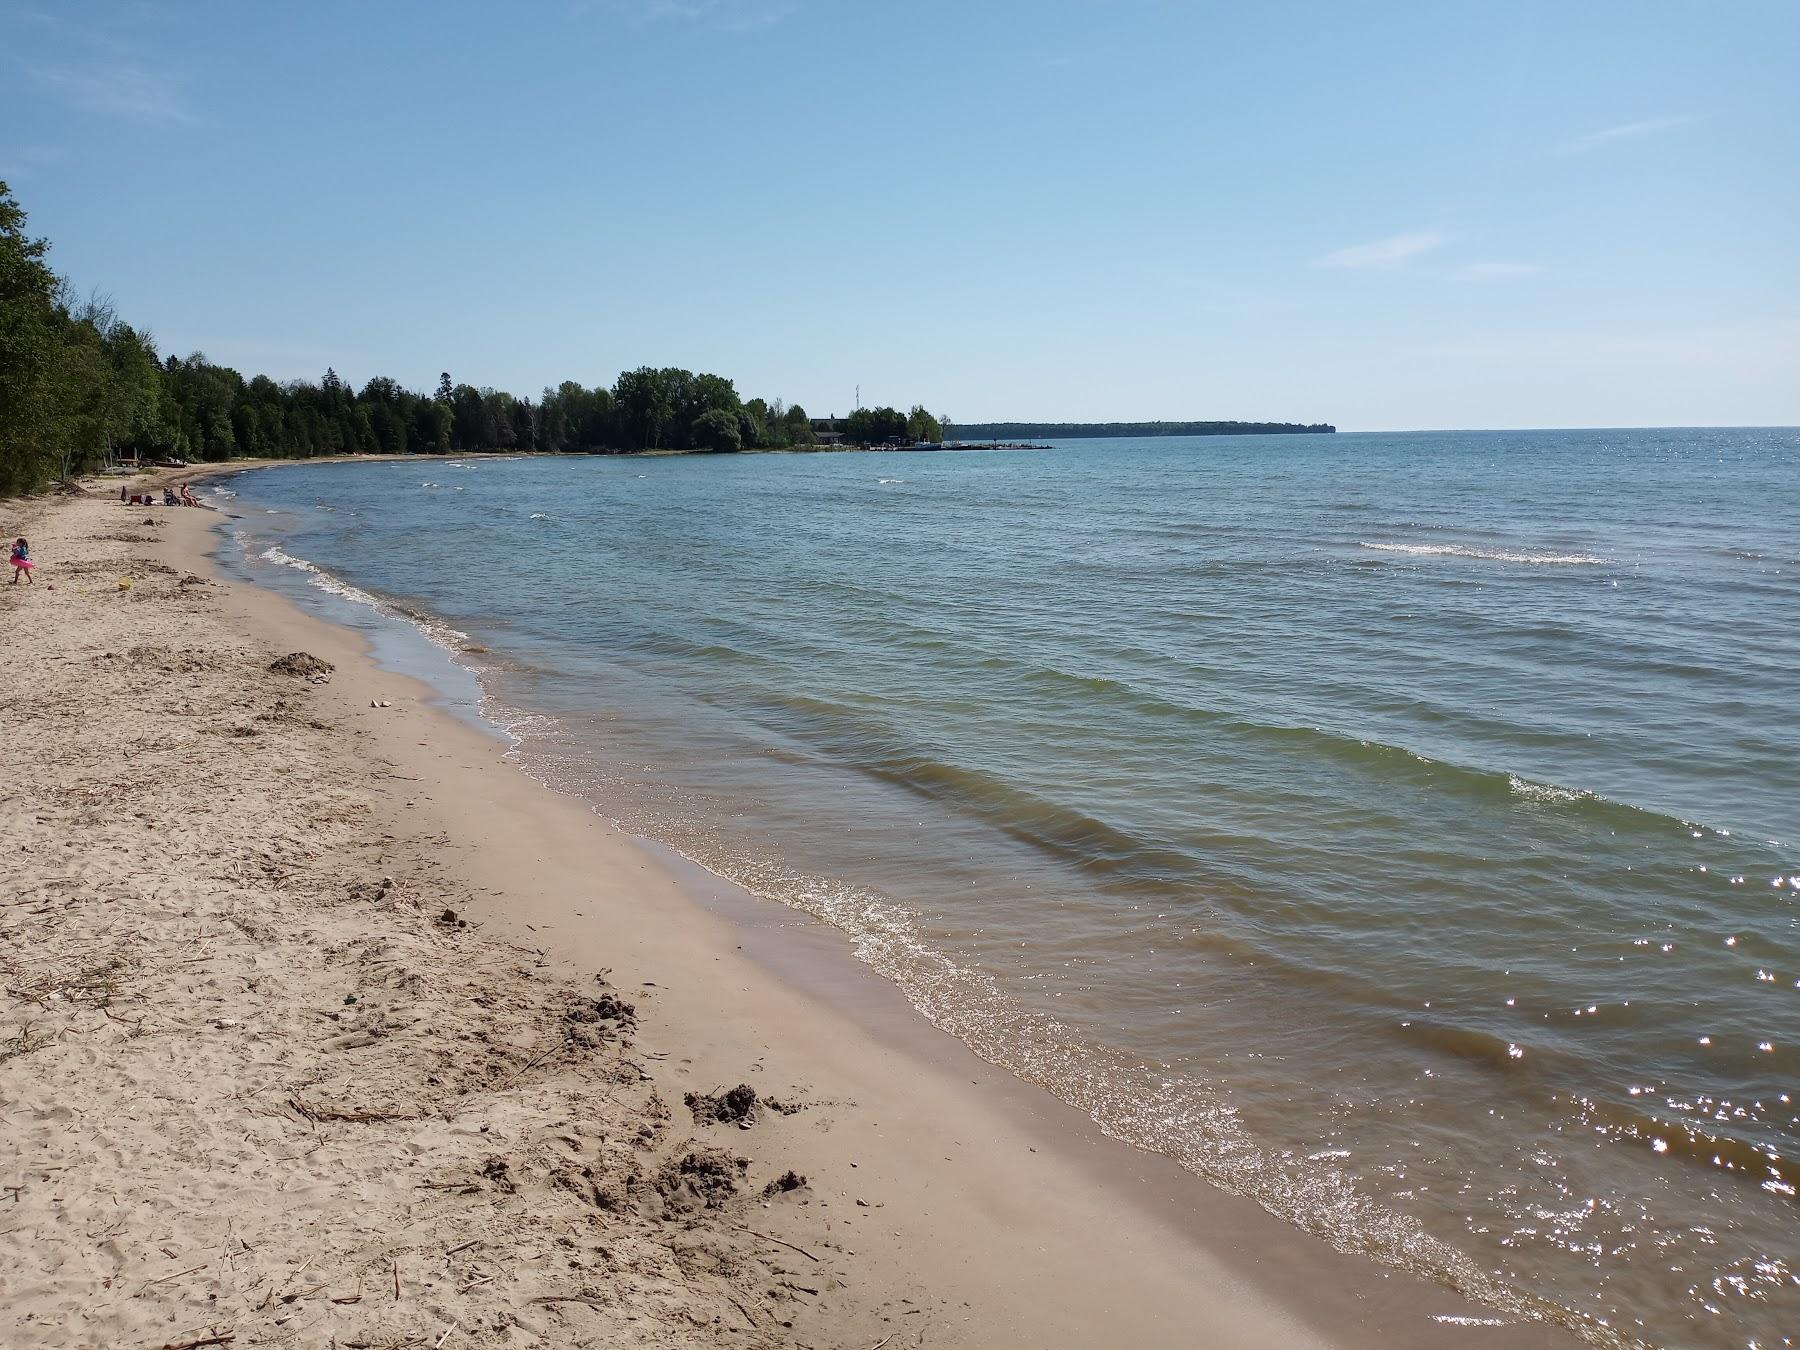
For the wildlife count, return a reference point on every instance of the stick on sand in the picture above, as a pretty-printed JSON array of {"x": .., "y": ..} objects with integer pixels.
[{"x": 790, "y": 1246}]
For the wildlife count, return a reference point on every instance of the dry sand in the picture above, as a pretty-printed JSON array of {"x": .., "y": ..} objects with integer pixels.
[{"x": 322, "y": 1025}]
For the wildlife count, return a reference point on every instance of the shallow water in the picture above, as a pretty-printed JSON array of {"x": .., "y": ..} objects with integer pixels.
[{"x": 1403, "y": 830}]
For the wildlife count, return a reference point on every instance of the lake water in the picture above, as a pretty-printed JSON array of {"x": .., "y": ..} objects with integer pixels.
[{"x": 1403, "y": 830}]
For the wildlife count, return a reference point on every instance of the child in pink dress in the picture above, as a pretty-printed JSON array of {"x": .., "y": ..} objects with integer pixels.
[{"x": 21, "y": 560}]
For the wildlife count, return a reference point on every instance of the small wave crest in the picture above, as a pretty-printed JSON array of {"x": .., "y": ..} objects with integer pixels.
[
  {"x": 1548, "y": 793},
  {"x": 437, "y": 632},
  {"x": 1542, "y": 559},
  {"x": 282, "y": 559},
  {"x": 323, "y": 580},
  {"x": 1691, "y": 1143},
  {"x": 1056, "y": 828}
]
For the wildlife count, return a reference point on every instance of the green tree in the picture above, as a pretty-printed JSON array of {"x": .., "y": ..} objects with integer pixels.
[
  {"x": 28, "y": 350},
  {"x": 81, "y": 394},
  {"x": 922, "y": 426},
  {"x": 524, "y": 425},
  {"x": 753, "y": 424},
  {"x": 717, "y": 429},
  {"x": 645, "y": 403},
  {"x": 429, "y": 432},
  {"x": 497, "y": 431},
  {"x": 466, "y": 422},
  {"x": 875, "y": 426}
]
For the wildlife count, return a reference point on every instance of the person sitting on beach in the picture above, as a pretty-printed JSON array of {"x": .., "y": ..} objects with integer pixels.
[
  {"x": 187, "y": 498},
  {"x": 169, "y": 497},
  {"x": 21, "y": 560}
]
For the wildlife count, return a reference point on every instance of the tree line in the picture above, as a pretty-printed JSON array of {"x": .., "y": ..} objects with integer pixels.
[
  {"x": 79, "y": 386},
  {"x": 890, "y": 426},
  {"x": 1026, "y": 431}
]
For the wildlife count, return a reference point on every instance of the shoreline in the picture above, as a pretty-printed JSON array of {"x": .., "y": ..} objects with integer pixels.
[{"x": 1003, "y": 1214}]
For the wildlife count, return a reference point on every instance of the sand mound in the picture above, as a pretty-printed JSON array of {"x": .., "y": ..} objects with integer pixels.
[
  {"x": 302, "y": 665},
  {"x": 736, "y": 1107}
]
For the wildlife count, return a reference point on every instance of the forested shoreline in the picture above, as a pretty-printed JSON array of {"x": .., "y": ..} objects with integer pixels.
[
  {"x": 81, "y": 387},
  {"x": 1034, "y": 431}
]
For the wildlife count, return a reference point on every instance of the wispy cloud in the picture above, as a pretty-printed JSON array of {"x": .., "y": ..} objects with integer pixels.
[
  {"x": 1625, "y": 131},
  {"x": 736, "y": 16},
  {"x": 21, "y": 162},
  {"x": 1386, "y": 254},
  {"x": 125, "y": 89},
  {"x": 1498, "y": 271}
]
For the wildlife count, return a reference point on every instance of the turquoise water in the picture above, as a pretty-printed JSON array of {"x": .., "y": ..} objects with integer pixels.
[{"x": 1400, "y": 829}]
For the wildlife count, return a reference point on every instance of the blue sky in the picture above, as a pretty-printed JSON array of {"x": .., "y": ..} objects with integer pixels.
[{"x": 1385, "y": 216}]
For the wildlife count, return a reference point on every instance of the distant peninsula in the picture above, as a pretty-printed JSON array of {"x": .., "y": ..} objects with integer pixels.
[{"x": 1054, "y": 431}]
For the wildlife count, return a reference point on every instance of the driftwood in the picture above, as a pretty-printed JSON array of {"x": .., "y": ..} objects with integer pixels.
[
  {"x": 164, "y": 1279},
  {"x": 778, "y": 1242}
]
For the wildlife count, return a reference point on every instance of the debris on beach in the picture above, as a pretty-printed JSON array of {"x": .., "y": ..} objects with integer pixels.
[
  {"x": 736, "y": 1107},
  {"x": 304, "y": 666},
  {"x": 498, "y": 1172},
  {"x": 594, "y": 1021},
  {"x": 702, "y": 1179},
  {"x": 789, "y": 1180}
]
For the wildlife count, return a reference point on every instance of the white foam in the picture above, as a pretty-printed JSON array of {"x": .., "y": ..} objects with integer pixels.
[
  {"x": 440, "y": 633},
  {"x": 280, "y": 559},
  {"x": 1488, "y": 554},
  {"x": 1544, "y": 792}
]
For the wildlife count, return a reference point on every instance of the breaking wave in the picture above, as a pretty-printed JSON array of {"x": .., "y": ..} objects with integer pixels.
[{"x": 1541, "y": 559}]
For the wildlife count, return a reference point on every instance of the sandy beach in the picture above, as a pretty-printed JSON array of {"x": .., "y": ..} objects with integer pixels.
[{"x": 322, "y": 1024}]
